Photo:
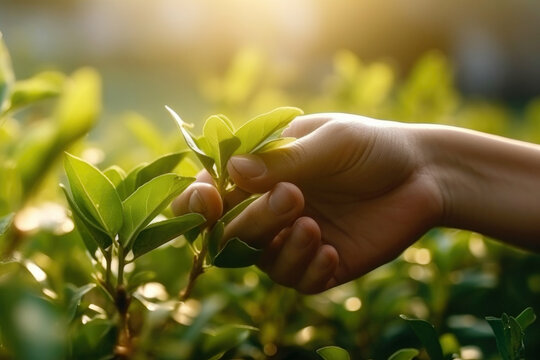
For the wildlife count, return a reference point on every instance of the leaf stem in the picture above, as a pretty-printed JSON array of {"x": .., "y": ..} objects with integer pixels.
[{"x": 197, "y": 268}]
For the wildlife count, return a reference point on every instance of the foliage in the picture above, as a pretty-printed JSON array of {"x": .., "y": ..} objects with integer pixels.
[{"x": 95, "y": 269}]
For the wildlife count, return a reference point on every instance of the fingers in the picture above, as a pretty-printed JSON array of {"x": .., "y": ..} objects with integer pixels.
[
  {"x": 305, "y": 124},
  {"x": 297, "y": 258},
  {"x": 202, "y": 198},
  {"x": 262, "y": 220}
]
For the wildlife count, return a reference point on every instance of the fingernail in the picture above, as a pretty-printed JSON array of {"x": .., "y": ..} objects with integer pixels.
[
  {"x": 248, "y": 166},
  {"x": 196, "y": 203},
  {"x": 279, "y": 201}
]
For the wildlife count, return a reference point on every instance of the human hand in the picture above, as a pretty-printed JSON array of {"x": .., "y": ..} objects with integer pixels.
[{"x": 347, "y": 196}]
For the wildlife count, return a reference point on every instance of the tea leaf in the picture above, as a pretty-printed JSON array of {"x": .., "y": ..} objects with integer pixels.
[
  {"x": 502, "y": 339},
  {"x": 39, "y": 87},
  {"x": 161, "y": 232},
  {"x": 333, "y": 353},
  {"x": 129, "y": 184},
  {"x": 427, "y": 335},
  {"x": 235, "y": 211},
  {"x": 236, "y": 254},
  {"x": 264, "y": 126},
  {"x": 115, "y": 173},
  {"x": 160, "y": 166},
  {"x": 94, "y": 193},
  {"x": 526, "y": 318},
  {"x": 273, "y": 144},
  {"x": 192, "y": 143},
  {"x": 404, "y": 354},
  {"x": 147, "y": 202},
  {"x": 73, "y": 299},
  {"x": 90, "y": 233},
  {"x": 224, "y": 338},
  {"x": 79, "y": 106},
  {"x": 220, "y": 141},
  {"x": 7, "y": 78},
  {"x": 214, "y": 239}
]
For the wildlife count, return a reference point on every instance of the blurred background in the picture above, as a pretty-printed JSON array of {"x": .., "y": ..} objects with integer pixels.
[{"x": 159, "y": 52}]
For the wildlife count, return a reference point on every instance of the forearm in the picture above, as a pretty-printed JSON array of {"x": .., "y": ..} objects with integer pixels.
[{"x": 488, "y": 184}]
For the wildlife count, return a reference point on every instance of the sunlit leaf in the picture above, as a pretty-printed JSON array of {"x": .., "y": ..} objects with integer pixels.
[
  {"x": 7, "y": 78},
  {"x": 220, "y": 140},
  {"x": 160, "y": 166},
  {"x": 91, "y": 234},
  {"x": 427, "y": 335},
  {"x": 264, "y": 126},
  {"x": 128, "y": 185},
  {"x": 333, "y": 353},
  {"x": 147, "y": 202},
  {"x": 74, "y": 296},
  {"x": 161, "y": 232},
  {"x": 79, "y": 106},
  {"x": 94, "y": 193},
  {"x": 39, "y": 87},
  {"x": 191, "y": 142},
  {"x": 236, "y": 254},
  {"x": 115, "y": 173},
  {"x": 404, "y": 354},
  {"x": 273, "y": 144}
]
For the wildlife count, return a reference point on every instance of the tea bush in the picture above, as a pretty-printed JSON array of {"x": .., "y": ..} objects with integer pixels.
[{"x": 99, "y": 268}]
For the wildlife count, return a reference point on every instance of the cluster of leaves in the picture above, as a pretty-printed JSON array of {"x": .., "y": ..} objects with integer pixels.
[
  {"x": 220, "y": 141},
  {"x": 509, "y": 332}
]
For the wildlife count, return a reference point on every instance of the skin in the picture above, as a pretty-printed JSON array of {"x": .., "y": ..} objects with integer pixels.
[{"x": 351, "y": 193}]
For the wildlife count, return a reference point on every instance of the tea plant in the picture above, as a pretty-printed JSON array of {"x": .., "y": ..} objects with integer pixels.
[{"x": 220, "y": 141}]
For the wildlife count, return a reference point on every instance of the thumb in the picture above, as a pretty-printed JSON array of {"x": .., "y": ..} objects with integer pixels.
[{"x": 296, "y": 163}]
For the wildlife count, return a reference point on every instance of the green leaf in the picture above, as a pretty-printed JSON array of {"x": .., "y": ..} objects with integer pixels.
[
  {"x": 236, "y": 254},
  {"x": 191, "y": 142},
  {"x": 220, "y": 140},
  {"x": 526, "y": 318},
  {"x": 94, "y": 194},
  {"x": 161, "y": 232},
  {"x": 273, "y": 144},
  {"x": 116, "y": 174},
  {"x": 500, "y": 336},
  {"x": 214, "y": 239},
  {"x": 39, "y": 87},
  {"x": 427, "y": 335},
  {"x": 235, "y": 211},
  {"x": 91, "y": 234},
  {"x": 160, "y": 166},
  {"x": 73, "y": 298},
  {"x": 147, "y": 202},
  {"x": 7, "y": 78},
  {"x": 79, "y": 106},
  {"x": 5, "y": 223},
  {"x": 404, "y": 354},
  {"x": 333, "y": 353},
  {"x": 225, "y": 338},
  {"x": 264, "y": 126},
  {"x": 129, "y": 184},
  {"x": 94, "y": 340}
]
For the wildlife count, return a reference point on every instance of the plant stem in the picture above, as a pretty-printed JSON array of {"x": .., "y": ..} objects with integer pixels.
[
  {"x": 196, "y": 269},
  {"x": 108, "y": 270},
  {"x": 123, "y": 348}
]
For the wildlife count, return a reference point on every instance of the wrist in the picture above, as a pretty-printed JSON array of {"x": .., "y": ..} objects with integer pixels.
[{"x": 486, "y": 183}]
